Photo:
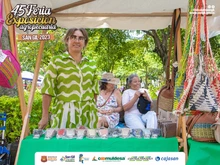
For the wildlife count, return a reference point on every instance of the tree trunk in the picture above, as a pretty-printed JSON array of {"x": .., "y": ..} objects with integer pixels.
[{"x": 161, "y": 46}]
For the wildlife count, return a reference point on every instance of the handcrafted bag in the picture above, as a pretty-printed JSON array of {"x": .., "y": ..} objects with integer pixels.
[
  {"x": 9, "y": 66},
  {"x": 166, "y": 95},
  {"x": 185, "y": 76},
  {"x": 202, "y": 97},
  {"x": 143, "y": 105},
  {"x": 211, "y": 66},
  {"x": 215, "y": 85},
  {"x": 216, "y": 128},
  {"x": 200, "y": 126},
  {"x": 9, "y": 69}
]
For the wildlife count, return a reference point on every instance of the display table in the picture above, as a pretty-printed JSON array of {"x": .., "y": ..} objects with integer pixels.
[
  {"x": 203, "y": 153},
  {"x": 30, "y": 146}
]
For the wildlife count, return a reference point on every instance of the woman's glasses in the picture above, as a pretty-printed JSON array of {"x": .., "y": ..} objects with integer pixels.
[{"x": 77, "y": 38}]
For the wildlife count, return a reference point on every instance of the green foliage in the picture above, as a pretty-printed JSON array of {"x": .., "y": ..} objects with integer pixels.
[
  {"x": 36, "y": 110},
  {"x": 28, "y": 51},
  {"x": 109, "y": 45},
  {"x": 153, "y": 91},
  {"x": 11, "y": 106},
  {"x": 215, "y": 44},
  {"x": 117, "y": 51},
  {"x": 124, "y": 52}
]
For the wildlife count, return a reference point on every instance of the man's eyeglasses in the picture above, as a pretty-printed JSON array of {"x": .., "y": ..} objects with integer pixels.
[{"x": 75, "y": 38}]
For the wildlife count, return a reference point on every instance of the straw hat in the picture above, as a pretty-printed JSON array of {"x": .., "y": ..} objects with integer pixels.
[{"x": 109, "y": 78}]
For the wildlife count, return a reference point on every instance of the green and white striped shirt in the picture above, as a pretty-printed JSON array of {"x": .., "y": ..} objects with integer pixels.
[{"x": 73, "y": 86}]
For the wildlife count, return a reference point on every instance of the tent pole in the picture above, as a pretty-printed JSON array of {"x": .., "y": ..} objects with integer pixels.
[
  {"x": 182, "y": 125},
  {"x": 13, "y": 43},
  {"x": 25, "y": 127},
  {"x": 34, "y": 82},
  {"x": 71, "y": 5},
  {"x": 179, "y": 45}
]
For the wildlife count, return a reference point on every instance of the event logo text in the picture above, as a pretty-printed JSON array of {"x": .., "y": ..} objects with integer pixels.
[{"x": 31, "y": 17}]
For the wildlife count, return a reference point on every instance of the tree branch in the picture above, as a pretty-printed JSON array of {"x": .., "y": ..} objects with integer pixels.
[{"x": 160, "y": 44}]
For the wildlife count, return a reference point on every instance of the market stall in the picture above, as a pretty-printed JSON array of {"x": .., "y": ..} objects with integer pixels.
[
  {"x": 30, "y": 146},
  {"x": 137, "y": 15}
]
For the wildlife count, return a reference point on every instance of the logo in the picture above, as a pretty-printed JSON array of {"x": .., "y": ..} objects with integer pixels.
[
  {"x": 168, "y": 158},
  {"x": 157, "y": 158},
  {"x": 52, "y": 158},
  {"x": 31, "y": 17},
  {"x": 94, "y": 159},
  {"x": 209, "y": 9},
  {"x": 67, "y": 158},
  {"x": 140, "y": 158},
  {"x": 44, "y": 158},
  {"x": 81, "y": 159},
  {"x": 111, "y": 159}
]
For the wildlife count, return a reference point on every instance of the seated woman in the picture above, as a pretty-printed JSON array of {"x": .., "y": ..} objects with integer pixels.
[
  {"x": 108, "y": 102},
  {"x": 133, "y": 118}
]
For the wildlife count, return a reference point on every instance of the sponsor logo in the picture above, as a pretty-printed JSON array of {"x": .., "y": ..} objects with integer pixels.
[
  {"x": 52, "y": 158},
  {"x": 140, "y": 158},
  {"x": 67, "y": 158},
  {"x": 43, "y": 158},
  {"x": 166, "y": 158},
  {"x": 111, "y": 159},
  {"x": 94, "y": 159},
  {"x": 82, "y": 158},
  {"x": 157, "y": 158}
]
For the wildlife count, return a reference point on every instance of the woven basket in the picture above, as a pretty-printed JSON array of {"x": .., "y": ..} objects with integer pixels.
[
  {"x": 165, "y": 99},
  {"x": 165, "y": 103},
  {"x": 202, "y": 130},
  {"x": 200, "y": 127}
]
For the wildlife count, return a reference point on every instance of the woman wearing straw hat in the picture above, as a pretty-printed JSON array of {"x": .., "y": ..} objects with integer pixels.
[{"x": 108, "y": 102}]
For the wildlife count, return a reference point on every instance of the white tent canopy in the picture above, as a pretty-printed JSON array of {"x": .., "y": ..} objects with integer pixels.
[
  {"x": 120, "y": 14},
  {"x": 26, "y": 75}
]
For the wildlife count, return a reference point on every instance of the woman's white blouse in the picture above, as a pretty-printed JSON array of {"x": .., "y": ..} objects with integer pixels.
[{"x": 127, "y": 96}]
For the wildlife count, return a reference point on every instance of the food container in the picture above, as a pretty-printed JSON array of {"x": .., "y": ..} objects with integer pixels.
[
  {"x": 80, "y": 133},
  {"x": 103, "y": 133},
  {"x": 138, "y": 133},
  {"x": 146, "y": 133},
  {"x": 91, "y": 133},
  {"x": 125, "y": 132}
]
